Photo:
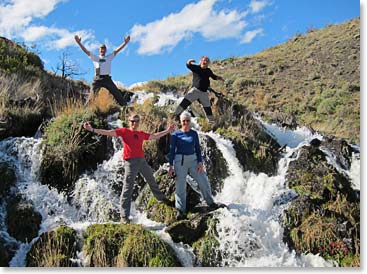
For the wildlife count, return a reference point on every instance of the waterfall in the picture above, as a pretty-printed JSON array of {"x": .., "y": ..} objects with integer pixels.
[{"x": 249, "y": 231}]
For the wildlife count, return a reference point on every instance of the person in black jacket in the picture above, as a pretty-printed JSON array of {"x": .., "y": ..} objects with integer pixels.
[{"x": 200, "y": 84}]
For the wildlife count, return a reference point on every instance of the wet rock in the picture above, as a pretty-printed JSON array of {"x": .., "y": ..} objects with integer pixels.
[
  {"x": 7, "y": 179},
  {"x": 7, "y": 251},
  {"x": 190, "y": 230},
  {"x": 341, "y": 150},
  {"x": 55, "y": 248},
  {"x": 22, "y": 220},
  {"x": 326, "y": 212}
]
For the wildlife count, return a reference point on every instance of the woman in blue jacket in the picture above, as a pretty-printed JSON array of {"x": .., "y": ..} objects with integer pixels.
[{"x": 185, "y": 158}]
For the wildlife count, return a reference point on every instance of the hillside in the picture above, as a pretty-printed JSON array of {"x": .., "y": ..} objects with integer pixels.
[{"x": 313, "y": 78}]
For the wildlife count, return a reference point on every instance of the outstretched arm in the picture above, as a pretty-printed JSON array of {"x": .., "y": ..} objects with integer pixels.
[
  {"x": 126, "y": 40},
  {"x": 158, "y": 135},
  {"x": 78, "y": 40},
  {"x": 88, "y": 127}
]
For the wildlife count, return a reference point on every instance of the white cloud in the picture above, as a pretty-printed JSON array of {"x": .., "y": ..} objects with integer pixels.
[
  {"x": 17, "y": 17},
  {"x": 250, "y": 35},
  {"x": 256, "y": 6},
  {"x": 201, "y": 17}
]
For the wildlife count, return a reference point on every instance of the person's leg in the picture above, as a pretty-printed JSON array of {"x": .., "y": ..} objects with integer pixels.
[
  {"x": 116, "y": 93},
  {"x": 181, "y": 172},
  {"x": 203, "y": 183},
  {"x": 204, "y": 100},
  {"x": 131, "y": 170},
  {"x": 190, "y": 97},
  {"x": 96, "y": 85},
  {"x": 147, "y": 173}
]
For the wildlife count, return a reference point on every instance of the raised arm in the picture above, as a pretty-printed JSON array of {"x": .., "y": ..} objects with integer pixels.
[
  {"x": 78, "y": 40},
  {"x": 99, "y": 131},
  {"x": 126, "y": 40},
  {"x": 158, "y": 135}
]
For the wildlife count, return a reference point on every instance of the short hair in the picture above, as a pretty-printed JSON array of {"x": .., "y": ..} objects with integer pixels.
[
  {"x": 103, "y": 46},
  {"x": 133, "y": 115},
  {"x": 185, "y": 114},
  {"x": 202, "y": 57}
]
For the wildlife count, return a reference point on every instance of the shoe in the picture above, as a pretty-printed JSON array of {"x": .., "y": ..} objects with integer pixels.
[
  {"x": 215, "y": 206},
  {"x": 181, "y": 216},
  {"x": 124, "y": 220},
  {"x": 169, "y": 202},
  {"x": 211, "y": 120}
]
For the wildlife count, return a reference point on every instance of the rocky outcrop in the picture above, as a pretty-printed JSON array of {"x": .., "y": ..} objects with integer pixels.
[
  {"x": 22, "y": 220},
  {"x": 126, "y": 246},
  {"x": 256, "y": 150},
  {"x": 325, "y": 216},
  {"x": 70, "y": 150},
  {"x": 8, "y": 178},
  {"x": 55, "y": 248}
]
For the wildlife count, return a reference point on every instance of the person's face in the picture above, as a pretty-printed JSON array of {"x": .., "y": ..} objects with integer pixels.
[
  {"x": 102, "y": 51},
  {"x": 204, "y": 62},
  {"x": 134, "y": 123},
  {"x": 185, "y": 123}
]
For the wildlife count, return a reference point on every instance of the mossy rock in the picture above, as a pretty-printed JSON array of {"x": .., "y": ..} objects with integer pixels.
[
  {"x": 206, "y": 248},
  {"x": 22, "y": 220},
  {"x": 54, "y": 249},
  {"x": 70, "y": 150},
  {"x": 8, "y": 178},
  {"x": 126, "y": 245}
]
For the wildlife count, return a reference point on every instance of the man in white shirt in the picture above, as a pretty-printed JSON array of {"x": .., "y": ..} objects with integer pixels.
[{"x": 102, "y": 65}]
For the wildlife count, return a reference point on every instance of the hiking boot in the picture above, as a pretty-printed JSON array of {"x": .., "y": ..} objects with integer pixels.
[
  {"x": 124, "y": 220},
  {"x": 169, "y": 203},
  {"x": 181, "y": 216},
  {"x": 215, "y": 206}
]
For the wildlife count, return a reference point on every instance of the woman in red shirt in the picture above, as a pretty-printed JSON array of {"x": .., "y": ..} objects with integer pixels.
[{"x": 134, "y": 158}]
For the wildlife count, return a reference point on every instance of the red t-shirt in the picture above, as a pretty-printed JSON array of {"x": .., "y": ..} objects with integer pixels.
[{"x": 133, "y": 142}]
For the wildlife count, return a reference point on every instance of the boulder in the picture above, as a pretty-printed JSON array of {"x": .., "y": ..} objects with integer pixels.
[
  {"x": 126, "y": 245},
  {"x": 55, "y": 248},
  {"x": 22, "y": 220},
  {"x": 8, "y": 178}
]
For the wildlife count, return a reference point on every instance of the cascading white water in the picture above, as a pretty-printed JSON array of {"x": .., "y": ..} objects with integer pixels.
[{"x": 250, "y": 231}]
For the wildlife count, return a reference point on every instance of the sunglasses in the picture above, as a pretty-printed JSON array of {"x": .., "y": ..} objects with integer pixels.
[{"x": 134, "y": 121}]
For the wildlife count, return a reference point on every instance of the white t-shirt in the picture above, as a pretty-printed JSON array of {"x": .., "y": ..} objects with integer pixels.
[{"x": 102, "y": 64}]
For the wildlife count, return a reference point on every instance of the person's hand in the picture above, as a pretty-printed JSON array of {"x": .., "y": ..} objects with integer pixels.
[
  {"x": 221, "y": 78},
  {"x": 200, "y": 167},
  {"x": 191, "y": 61},
  {"x": 87, "y": 126},
  {"x": 171, "y": 172},
  {"x": 171, "y": 128},
  {"x": 77, "y": 38},
  {"x": 127, "y": 39}
]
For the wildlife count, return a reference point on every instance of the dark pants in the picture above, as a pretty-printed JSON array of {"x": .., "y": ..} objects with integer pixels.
[{"x": 106, "y": 82}]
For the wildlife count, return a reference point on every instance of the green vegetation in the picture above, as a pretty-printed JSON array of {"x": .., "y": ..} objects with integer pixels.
[
  {"x": 69, "y": 149},
  {"x": 54, "y": 249},
  {"x": 315, "y": 77},
  {"x": 15, "y": 58},
  {"x": 126, "y": 245}
]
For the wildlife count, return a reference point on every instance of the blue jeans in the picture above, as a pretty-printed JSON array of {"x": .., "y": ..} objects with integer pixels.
[{"x": 184, "y": 165}]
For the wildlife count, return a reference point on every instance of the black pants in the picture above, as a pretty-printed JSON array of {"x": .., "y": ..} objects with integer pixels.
[{"x": 106, "y": 82}]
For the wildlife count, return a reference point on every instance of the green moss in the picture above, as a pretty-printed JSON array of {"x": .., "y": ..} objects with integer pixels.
[
  {"x": 160, "y": 212},
  {"x": 54, "y": 249},
  {"x": 126, "y": 245}
]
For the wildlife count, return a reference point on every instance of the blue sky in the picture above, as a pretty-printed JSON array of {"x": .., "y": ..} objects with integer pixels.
[{"x": 164, "y": 33}]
